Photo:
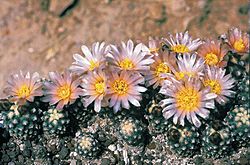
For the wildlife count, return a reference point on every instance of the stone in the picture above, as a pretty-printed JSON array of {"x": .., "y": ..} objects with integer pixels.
[
  {"x": 63, "y": 153},
  {"x": 27, "y": 153},
  {"x": 152, "y": 145},
  {"x": 21, "y": 158},
  {"x": 105, "y": 161},
  {"x": 5, "y": 158},
  {"x": 12, "y": 154}
]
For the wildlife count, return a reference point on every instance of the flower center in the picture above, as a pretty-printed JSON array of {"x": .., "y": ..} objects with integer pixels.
[
  {"x": 211, "y": 59},
  {"x": 120, "y": 87},
  {"x": 187, "y": 99},
  {"x": 23, "y": 91},
  {"x": 126, "y": 64},
  {"x": 93, "y": 65},
  {"x": 161, "y": 68},
  {"x": 85, "y": 143},
  {"x": 128, "y": 128},
  {"x": 181, "y": 75},
  {"x": 180, "y": 48},
  {"x": 239, "y": 45},
  {"x": 64, "y": 92},
  {"x": 100, "y": 87},
  {"x": 214, "y": 85}
]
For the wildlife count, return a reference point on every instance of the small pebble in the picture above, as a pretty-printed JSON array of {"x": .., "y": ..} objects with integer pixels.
[
  {"x": 105, "y": 161},
  {"x": 112, "y": 147}
]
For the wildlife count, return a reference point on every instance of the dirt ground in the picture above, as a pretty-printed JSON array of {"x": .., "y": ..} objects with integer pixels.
[{"x": 42, "y": 35}]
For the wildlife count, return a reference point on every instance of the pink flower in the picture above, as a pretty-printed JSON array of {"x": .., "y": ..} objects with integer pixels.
[
  {"x": 124, "y": 88},
  {"x": 62, "y": 89},
  {"x": 130, "y": 58},
  {"x": 22, "y": 87},
  {"x": 182, "y": 43},
  {"x": 212, "y": 53},
  {"x": 94, "y": 58},
  {"x": 238, "y": 41},
  {"x": 158, "y": 68},
  {"x": 186, "y": 99},
  {"x": 95, "y": 87},
  {"x": 219, "y": 83}
]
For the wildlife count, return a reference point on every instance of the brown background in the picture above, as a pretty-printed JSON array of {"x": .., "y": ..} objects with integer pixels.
[{"x": 33, "y": 37}]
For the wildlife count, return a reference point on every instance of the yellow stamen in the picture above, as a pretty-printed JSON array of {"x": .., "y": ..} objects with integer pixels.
[
  {"x": 161, "y": 68},
  {"x": 120, "y": 87},
  {"x": 211, "y": 59},
  {"x": 100, "y": 87},
  {"x": 181, "y": 75},
  {"x": 64, "y": 92},
  {"x": 239, "y": 45},
  {"x": 127, "y": 127},
  {"x": 24, "y": 91},
  {"x": 85, "y": 143},
  {"x": 214, "y": 85},
  {"x": 126, "y": 64},
  {"x": 180, "y": 49},
  {"x": 93, "y": 65},
  {"x": 187, "y": 99},
  {"x": 154, "y": 50}
]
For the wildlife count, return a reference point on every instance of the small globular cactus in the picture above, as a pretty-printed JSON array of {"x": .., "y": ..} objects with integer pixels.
[
  {"x": 22, "y": 122},
  {"x": 132, "y": 131},
  {"x": 239, "y": 125},
  {"x": 55, "y": 121},
  {"x": 216, "y": 140},
  {"x": 184, "y": 141},
  {"x": 87, "y": 145}
]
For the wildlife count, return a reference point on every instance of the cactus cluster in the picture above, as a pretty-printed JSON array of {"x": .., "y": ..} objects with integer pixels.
[{"x": 133, "y": 104}]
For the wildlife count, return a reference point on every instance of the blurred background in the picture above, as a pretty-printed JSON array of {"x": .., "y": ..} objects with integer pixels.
[{"x": 42, "y": 35}]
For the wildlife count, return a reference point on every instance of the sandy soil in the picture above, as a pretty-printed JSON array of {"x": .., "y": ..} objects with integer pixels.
[{"x": 33, "y": 36}]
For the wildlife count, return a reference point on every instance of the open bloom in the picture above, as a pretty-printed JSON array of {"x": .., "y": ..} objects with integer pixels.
[
  {"x": 186, "y": 99},
  {"x": 128, "y": 58},
  {"x": 94, "y": 58},
  {"x": 21, "y": 88},
  {"x": 62, "y": 89},
  {"x": 154, "y": 46},
  {"x": 238, "y": 41},
  {"x": 157, "y": 69},
  {"x": 188, "y": 66},
  {"x": 182, "y": 43},
  {"x": 219, "y": 83},
  {"x": 124, "y": 88},
  {"x": 212, "y": 53},
  {"x": 94, "y": 87}
]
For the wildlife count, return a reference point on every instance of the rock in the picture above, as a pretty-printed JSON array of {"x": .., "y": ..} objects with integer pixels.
[
  {"x": 63, "y": 153},
  {"x": 21, "y": 159},
  {"x": 27, "y": 153},
  {"x": 152, "y": 145},
  {"x": 198, "y": 160},
  {"x": 56, "y": 161},
  {"x": 27, "y": 144},
  {"x": 121, "y": 162},
  {"x": 105, "y": 161},
  {"x": 11, "y": 145},
  {"x": 112, "y": 147},
  {"x": 12, "y": 154},
  {"x": 5, "y": 158}
]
